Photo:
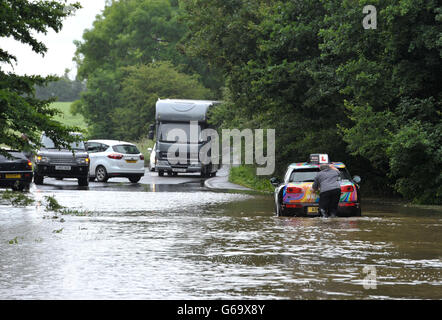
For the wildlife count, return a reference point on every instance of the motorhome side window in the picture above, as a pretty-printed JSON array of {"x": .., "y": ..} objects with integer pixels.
[{"x": 166, "y": 133}]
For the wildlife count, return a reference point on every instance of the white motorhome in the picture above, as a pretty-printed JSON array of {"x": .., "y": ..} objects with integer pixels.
[{"x": 176, "y": 122}]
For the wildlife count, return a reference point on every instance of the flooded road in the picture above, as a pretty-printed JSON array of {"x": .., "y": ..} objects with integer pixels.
[{"x": 182, "y": 241}]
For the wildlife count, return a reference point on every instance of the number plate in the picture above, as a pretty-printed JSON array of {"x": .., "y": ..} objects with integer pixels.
[
  {"x": 312, "y": 210},
  {"x": 178, "y": 170},
  {"x": 13, "y": 176},
  {"x": 64, "y": 168},
  {"x": 131, "y": 161}
]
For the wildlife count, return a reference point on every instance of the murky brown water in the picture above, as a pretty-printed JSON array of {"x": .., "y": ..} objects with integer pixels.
[{"x": 140, "y": 244}]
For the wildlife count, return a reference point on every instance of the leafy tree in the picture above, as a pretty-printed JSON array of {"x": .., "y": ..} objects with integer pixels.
[
  {"x": 276, "y": 77},
  {"x": 310, "y": 70},
  {"x": 98, "y": 101},
  {"x": 141, "y": 87},
  {"x": 391, "y": 76},
  {"x": 132, "y": 33},
  {"x": 22, "y": 115}
]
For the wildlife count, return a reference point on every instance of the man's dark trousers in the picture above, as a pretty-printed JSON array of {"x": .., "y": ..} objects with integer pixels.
[{"x": 329, "y": 200}]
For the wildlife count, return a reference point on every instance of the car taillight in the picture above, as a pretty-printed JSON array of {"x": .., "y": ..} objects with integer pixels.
[
  {"x": 141, "y": 157},
  {"x": 294, "y": 190},
  {"x": 348, "y": 204},
  {"x": 347, "y": 189},
  {"x": 115, "y": 156}
]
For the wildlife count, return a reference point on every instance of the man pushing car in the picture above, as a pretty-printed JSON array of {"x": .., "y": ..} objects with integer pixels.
[{"x": 328, "y": 182}]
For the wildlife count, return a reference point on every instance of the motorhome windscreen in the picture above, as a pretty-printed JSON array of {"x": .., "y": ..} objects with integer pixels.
[{"x": 177, "y": 132}]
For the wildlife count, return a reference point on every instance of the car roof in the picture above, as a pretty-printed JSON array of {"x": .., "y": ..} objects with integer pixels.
[
  {"x": 307, "y": 165},
  {"x": 111, "y": 142}
]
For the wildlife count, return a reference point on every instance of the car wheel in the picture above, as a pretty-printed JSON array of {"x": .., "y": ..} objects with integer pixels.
[
  {"x": 38, "y": 179},
  {"x": 161, "y": 173},
  {"x": 134, "y": 179},
  {"x": 280, "y": 211},
  {"x": 101, "y": 174},
  {"x": 83, "y": 182}
]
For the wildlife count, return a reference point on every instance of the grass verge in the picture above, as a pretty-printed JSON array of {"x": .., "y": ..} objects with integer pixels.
[
  {"x": 66, "y": 117},
  {"x": 246, "y": 176},
  {"x": 143, "y": 145}
]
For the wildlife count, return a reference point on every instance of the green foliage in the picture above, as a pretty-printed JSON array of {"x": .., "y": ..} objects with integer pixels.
[
  {"x": 13, "y": 241},
  {"x": 392, "y": 77},
  {"x": 275, "y": 76},
  {"x": 310, "y": 70},
  {"x": 16, "y": 199},
  {"x": 143, "y": 145},
  {"x": 52, "y": 204},
  {"x": 123, "y": 59},
  {"x": 141, "y": 87},
  {"x": 120, "y": 104},
  {"x": 22, "y": 115}
]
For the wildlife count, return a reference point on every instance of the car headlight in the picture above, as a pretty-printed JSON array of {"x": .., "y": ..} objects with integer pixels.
[
  {"x": 41, "y": 159},
  {"x": 83, "y": 160}
]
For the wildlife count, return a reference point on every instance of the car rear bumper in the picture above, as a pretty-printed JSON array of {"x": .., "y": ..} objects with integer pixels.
[
  {"x": 126, "y": 174},
  {"x": 345, "y": 209},
  {"x": 6, "y": 179}
]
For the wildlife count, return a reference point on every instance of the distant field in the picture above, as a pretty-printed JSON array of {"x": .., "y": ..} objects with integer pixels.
[{"x": 67, "y": 118}]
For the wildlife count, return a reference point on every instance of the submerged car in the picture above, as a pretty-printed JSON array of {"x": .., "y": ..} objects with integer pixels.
[
  {"x": 115, "y": 159},
  {"x": 15, "y": 170},
  {"x": 295, "y": 196},
  {"x": 60, "y": 163}
]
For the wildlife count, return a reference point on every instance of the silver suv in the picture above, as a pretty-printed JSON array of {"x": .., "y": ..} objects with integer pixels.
[{"x": 62, "y": 163}]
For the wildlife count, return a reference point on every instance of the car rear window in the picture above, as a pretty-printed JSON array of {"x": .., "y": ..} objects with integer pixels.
[
  {"x": 14, "y": 156},
  {"x": 308, "y": 175},
  {"x": 126, "y": 149},
  {"x": 303, "y": 175}
]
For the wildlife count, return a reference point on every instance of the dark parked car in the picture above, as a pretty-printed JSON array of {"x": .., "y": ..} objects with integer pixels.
[
  {"x": 15, "y": 171},
  {"x": 53, "y": 162}
]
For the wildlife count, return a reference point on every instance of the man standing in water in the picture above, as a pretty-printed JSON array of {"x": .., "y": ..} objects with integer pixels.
[{"x": 327, "y": 181}]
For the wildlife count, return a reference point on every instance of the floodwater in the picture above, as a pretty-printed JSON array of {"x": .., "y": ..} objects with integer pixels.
[{"x": 186, "y": 242}]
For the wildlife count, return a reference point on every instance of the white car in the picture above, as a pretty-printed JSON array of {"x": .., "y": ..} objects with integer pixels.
[
  {"x": 152, "y": 159},
  {"x": 112, "y": 158}
]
